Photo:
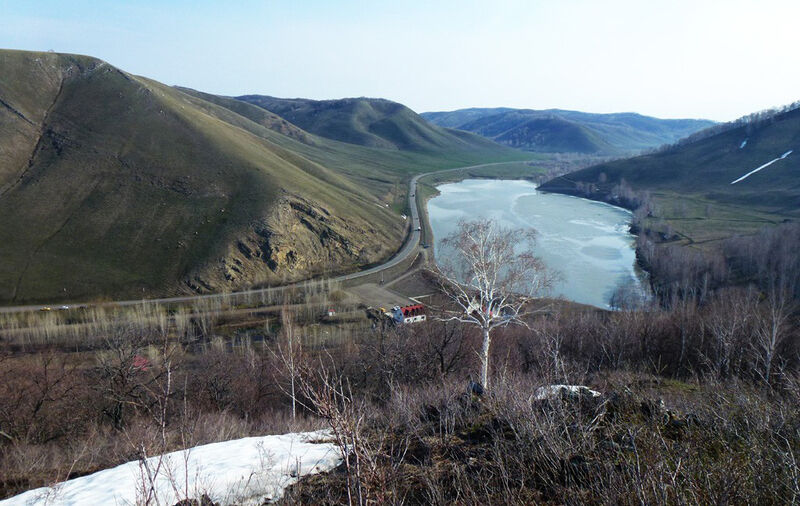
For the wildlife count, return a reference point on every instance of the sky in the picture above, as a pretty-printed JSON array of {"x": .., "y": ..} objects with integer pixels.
[{"x": 701, "y": 59}]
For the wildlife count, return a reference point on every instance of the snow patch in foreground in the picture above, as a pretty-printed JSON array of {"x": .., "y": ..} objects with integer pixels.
[
  {"x": 743, "y": 144},
  {"x": 242, "y": 471},
  {"x": 762, "y": 167}
]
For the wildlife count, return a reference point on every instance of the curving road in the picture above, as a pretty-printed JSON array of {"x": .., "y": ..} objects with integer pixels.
[
  {"x": 412, "y": 239},
  {"x": 409, "y": 247}
]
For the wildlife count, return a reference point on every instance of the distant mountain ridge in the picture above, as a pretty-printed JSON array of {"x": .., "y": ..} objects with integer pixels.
[
  {"x": 561, "y": 131},
  {"x": 371, "y": 122}
]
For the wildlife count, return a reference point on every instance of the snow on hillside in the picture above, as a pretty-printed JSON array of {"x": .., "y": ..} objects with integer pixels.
[
  {"x": 762, "y": 167},
  {"x": 242, "y": 471}
]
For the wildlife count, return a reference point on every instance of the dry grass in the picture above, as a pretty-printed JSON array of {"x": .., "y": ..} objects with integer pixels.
[
  {"x": 85, "y": 327},
  {"x": 682, "y": 419}
]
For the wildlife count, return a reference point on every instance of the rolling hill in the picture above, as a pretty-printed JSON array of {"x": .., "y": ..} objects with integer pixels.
[
  {"x": 701, "y": 184},
  {"x": 114, "y": 185},
  {"x": 560, "y": 131},
  {"x": 368, "y": 122}
]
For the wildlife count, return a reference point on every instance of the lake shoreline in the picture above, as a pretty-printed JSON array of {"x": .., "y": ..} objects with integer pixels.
[{"x": 589, "y": 241}]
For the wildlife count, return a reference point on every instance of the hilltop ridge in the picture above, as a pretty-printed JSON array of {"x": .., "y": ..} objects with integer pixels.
[
  {"x": 372, "y": 122},
  {"x": 563, "y": 131}
]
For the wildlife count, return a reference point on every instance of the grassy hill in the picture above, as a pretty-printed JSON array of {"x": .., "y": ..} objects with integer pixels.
[
  {"x": 114, "y": 185},
  {"x": 691, "y": 181},
  {"x": 368, "y": 122},
  {"x": 378, "y": 169},
  {"x": 559, "y": 131}
]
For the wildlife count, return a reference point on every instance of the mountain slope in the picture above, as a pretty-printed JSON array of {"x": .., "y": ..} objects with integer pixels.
[
  {"x": 710, "y": 165},
  {"x": 376, "y": 169},
  {"x": 368, "y": 122},
  {"x": 113, "y": 185},
  {"x": 699, "y": 187},
  {"x": 556, "y": 130}
]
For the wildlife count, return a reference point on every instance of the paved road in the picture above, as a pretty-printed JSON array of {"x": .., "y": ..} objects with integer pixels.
[
  {"x": 412, "y": 240},
  {"x": 409, "y": 247}
]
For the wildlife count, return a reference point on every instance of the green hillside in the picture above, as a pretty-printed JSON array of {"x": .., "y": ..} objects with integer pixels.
[
  {"x": 368, "y": 122},
  {"x": 113, "y": 185},
  {"x": 560, "y": 131},
  {"x": 376, "y": 169},
  {"x": 692, "y": 180}
]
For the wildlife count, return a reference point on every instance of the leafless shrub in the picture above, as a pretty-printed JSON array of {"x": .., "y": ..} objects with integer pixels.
[{"x": 332, "y": 399}]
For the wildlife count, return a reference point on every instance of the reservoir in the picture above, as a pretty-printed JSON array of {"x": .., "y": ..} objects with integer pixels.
[{"x": 586, "y": 242}]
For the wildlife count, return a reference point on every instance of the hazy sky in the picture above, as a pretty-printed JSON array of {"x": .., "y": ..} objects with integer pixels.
[{"x": 711, "y": 59}]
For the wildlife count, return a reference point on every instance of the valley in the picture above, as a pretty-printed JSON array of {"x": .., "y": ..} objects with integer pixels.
[
  {"x": 268, "y": 191},
  {"x": 213, "y": 294},
  {"x": 143, "y": 190}
]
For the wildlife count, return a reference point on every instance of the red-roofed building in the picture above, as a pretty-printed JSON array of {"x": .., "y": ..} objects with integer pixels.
[{"x": 414, "y": 313}]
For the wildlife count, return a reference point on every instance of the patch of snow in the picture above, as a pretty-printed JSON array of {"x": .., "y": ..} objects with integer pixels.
[
  {"x": 554, "y": 391},
  {"x": 243, "y": 471},
  {"x": 743, "y": 144},
  {"x": 762, "y": 167}
]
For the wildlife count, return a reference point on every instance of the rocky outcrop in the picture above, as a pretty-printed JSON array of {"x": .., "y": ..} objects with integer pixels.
[{"x": 298, "y": 240}]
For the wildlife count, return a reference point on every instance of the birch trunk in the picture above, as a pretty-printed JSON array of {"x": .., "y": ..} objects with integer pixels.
[{"x": 487, "y": 341}]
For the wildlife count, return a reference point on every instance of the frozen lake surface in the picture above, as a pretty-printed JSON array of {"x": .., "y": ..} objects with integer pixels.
[{"x": 587, "y": 242}]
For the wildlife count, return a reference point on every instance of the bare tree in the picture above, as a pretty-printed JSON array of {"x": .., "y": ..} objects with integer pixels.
[
  {"x": 289, "y": 353},
  {"x": 444, "y": 345},
  {"x": 328, "y": 393},
  {"x": 490, "y": 278},
  {"x": 770, "y": 258},
  {"x": 774, "y": 325},
  {"x": 728, "y": 322}
]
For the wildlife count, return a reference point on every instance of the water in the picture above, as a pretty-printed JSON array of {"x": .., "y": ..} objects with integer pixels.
[{"x": 587, "y": 242}]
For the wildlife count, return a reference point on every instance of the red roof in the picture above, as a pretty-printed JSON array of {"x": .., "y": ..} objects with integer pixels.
[
  {"x": 412, "y": 310},
  {"x": 141, "y": 363}
]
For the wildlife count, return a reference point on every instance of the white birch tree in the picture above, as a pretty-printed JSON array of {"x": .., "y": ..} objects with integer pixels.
[
  {"x": 774, "y": 324},
  {"x": 290, "y": 354},
  {"x": 488, "y": 282}
]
